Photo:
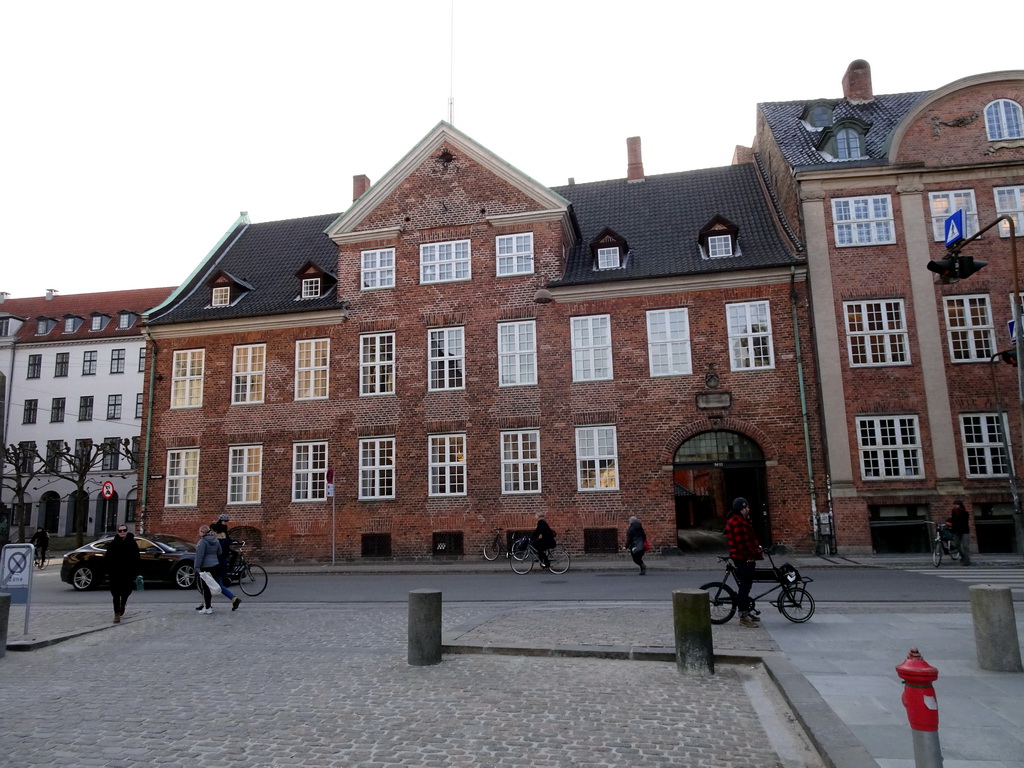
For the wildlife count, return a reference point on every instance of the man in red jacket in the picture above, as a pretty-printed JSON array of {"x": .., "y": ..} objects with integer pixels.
[{"x": 745, "y": 552}]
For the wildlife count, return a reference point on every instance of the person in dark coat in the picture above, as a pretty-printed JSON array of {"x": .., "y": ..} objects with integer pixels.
[
  {"x": 220, "y": 530},
  {"x": 636, "y": 542},
  {"x": 961, "y": 520},
  {"x": 121, "y": 561},
  {"x": 543, "y": 539}
]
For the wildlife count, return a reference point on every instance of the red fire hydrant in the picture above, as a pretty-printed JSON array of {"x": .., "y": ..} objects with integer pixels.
[{"x": 922, "y": 708}]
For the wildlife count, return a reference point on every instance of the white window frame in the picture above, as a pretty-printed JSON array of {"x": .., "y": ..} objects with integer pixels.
[
  {"x": 447, "y": 465},
  {"x": 863, "y": 221},
  {"x": 597, "y": 459},
  {"x": 187, "y": 378},
  {"x": 310, "y": 287},
  {"x": 520, "y": 462},
  {"x": 591, "y": 348},
  {"x": 719, "y": 246},
  {"x": 378, "y": 269},
  {"x": 446, "y": 352},
  {"x": 849, "y": 144},
  {"x": 609, "y": 258},
  {"x": 376, "y": 364},
  {"x": 182, "y": 489},
  {"x": 969, "y": 331},
  {"x": 997, "y": 126},
  {"x": 377, "y": 468},
  {"x": 124, "y": 321},
  {"x": 447, "y": 262},
  {"x": 945, "y": 204},
  {"x": 309, "y": 471},
  {"x": 981, "y": 435},
  {"x": 220, "y": 296},
  {"x": 70, "y": 324},
  {"x": 517, "y": 353},
  {"x": 668, "y": 342},
  {"x": 514, "y": 254},
  {"x": 96, "y": 323},
  {"x": 751, "y": 346},
  {"x": 889, "y": 447},
  {"x": 245, "y": 474},
  {"x": 248, "y": 373},
  {"x": 876, "y": 333},
  {"x": 312, "y": 369},
  {"x": 1007, "y": 207}
]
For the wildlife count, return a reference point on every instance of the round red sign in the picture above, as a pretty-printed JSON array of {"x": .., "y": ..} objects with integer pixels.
[{"x": 107, "y": 491}]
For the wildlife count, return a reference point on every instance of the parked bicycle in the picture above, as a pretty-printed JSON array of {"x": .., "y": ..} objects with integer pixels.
[
  {"x": 250, "y": 577},
  {"x": 523, "y": 555},
  {"x": 495, "y": 547},
  {"x": 944, "y": 544},
  {"x": 794, "y": 602}
]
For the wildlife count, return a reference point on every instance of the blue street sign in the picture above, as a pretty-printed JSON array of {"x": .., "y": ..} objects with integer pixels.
[
  {"x": 1009, "y": 327},
  {"x": 954, "y": 227}
]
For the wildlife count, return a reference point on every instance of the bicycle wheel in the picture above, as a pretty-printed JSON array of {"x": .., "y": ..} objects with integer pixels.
[
  {"x": 41, "y": 562},
  {"x": 722, "y": 601},
  {"x": 796, "y": 604},
  {"x": 559, "y": 560},
  {"x": 492, "y": 548},
  {"x": 253, "y": 579},
  {"x": 937, "y": 553},
  {"x": 522, "y": 560}
]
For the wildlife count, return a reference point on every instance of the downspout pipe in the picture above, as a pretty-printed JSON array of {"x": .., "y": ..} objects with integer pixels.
[
  {"x": 149, "y": 429},
  {"x": 803, "y": 407}
]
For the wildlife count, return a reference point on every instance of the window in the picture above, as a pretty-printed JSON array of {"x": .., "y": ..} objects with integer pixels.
[
  {"x": 221, "y": 296},
  {"x": 377, "y": 468},
  {"x": 876, "y": 333},
  {"x": 117, "y": 361},
  {"x": 819, "y": 116},
  {"x": 943, "y": 205},
  {"x": 97, "y": 322},
  {"x": 30, "y": 410},
  {"x": 311, "y": 363},
  {"x": 62, "y": 364},
  {"x": 591, "y": 348},
  {"x": 125, "y": 320},
  {"x": 377, "y": 364},
  {"x": 245, "y": 471},
  {"x": 187, "y": 379},
  {"x": 1010, "y": 202},
  {"x": 182, "y": 478},
  {"x": 847, "y": 144},
  {"x": 27, "y": 456},
  {"x": 85, "y": 405},
  {"x": 142, "y": 359},
  {"x": 863, "y": 220},
  {"x": 138, "y": 405},
  {"x": 378, "y": 269},
  {"x": 71, "y": 324},
  {"x": 54, "y": 456},
  {"x": 596, "y": 459},
  {"x": 133, "y": 452},
  {"x": 517, "y": 353},
  {"x": 750, "y": 336},
  {"x": 89, "y": 360},
  {"x": 984, "y": 445},
  {"x": 111, "y": 454},
  {"x": 515, "y": 254},
  {"x": 310, "y": 287},
  {"x": 44, "y": 325},
  {"x": 6, "y": 326},
  {"x": 608, "y": 258},
  {"x": 1003, "y": 120},
  {"x": 520, "y": 462},
  {"x": 35, "y": 367},
  {"x": 83, "y": 449},
  {"x": 247, "y": 374},
  {"x": 113, "y": 407},
  {"x": 890, "y": 446},
  {"x": 668, "y": 342},
  {"x": 969, "y": 328},
  {"x": 448, "y": 465},
  {"x": 719, "y": 246},
  {"x": 129, "y": 510},
  {"x": 445, "y": 262},
  {"x": 57, "y": 409},
  {"x": 447, "y": 359},
  {"x": 309, "y": 471}
]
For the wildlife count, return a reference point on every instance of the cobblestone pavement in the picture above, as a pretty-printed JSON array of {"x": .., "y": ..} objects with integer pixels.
[{"x": 329, "y": 685}]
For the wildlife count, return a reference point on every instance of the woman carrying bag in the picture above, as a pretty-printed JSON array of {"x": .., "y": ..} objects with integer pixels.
[{"x": 207, "y": 567}]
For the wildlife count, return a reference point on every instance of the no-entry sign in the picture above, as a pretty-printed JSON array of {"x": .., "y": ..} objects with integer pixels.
[{"x": 107, "y": 490}]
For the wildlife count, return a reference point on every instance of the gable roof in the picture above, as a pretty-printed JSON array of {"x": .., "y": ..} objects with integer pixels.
[{"x": 84, "y": 305}]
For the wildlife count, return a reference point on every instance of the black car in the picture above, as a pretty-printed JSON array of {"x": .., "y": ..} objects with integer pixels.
[{"x": 163, "y": 558}]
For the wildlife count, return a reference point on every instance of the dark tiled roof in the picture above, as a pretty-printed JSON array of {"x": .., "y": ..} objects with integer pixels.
[
  {"x": 797, "y": 143},
  {"x": 83, "y": 305},
  {"x": 265, "y": 256},
  {"x": 661, "y": 217}
]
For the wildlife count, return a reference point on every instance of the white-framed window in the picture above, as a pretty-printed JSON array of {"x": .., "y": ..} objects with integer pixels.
[
  {"x": 310, "y": 287},
  {"x": 719, "y": 246},
  {"x": 514, "y": 254},
  {"x": 377, "y": 468},
  {"x": 750, "y": 336},
  {"x": 1010, "y": 202},
  {"x": 517, "y": 353},
  {"x": 182, "y": 488},
  {"x": 597, "y": 459},
  {"x": 245, "y": 474},
  {"x": 248, "y": 373},
  {"x": 1004, "y": 120},
  {"x": 889, "y": 447},
  {"x": 378, "y": 269},
  {"x": 96, "y": 323},
  {"x": 221, "y": 296},
  {"x": 876, "y": 332},
  {"x": 668, "y": 342},
  {"x": 591, "y": 348},
  {"x": 944, "y": 204},
  {"x": 969, "y": 329},
  {"x": 447, "y": 352},
  {"x": 309, "y": 471},
  {"x": 608, "y": 258},
  {"x": 863, "y": 220},
  {"x": 984, "y": 446},
  {"x": 71, "y": 324},
  {"x": 848, "y": 144},
  {"x": 445, "y": 262},
  {"x": 312, "y": 361},
  {"x": 447, "y": 465},
  {"x": 377, "y": 364},
  {"x": 520, "y": 462},
  {"x": 187, "y": 378},
  {"x": 125, "y": 320}
]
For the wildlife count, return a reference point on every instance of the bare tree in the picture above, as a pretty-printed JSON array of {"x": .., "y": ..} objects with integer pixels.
[{"x": 20, "y": 467}]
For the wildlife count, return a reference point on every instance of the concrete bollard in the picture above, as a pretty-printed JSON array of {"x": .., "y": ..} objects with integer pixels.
[
  {"x": 5, "y": 617},
  {"x": 424, "y": 627},
  {"x": 995, "y": 628},
  {"x": 691, "y": 616}
]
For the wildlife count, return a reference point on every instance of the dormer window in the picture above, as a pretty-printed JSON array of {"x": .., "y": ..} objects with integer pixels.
[
  {"x": 718, "y": 239},
  {"x": 314, "y": 281},
  {"x": 98, "y": 322},
  {"x": 72, "y": 323},
  {"x": 843, "y": 141},
  {"x": 848, "y": 144},
  {"x": 126, "y": 320},
  {"x": 44, "y": 325},
  {"x": 221, "y": 296},
  {"x": 610, "y": 250},
  {"x": 226, "y": 290},
  {"x": 310, "y": 287},
  {"x": 1004, "y": 120},
  {"x": 817, "y": 116},
  {"x": 719, "y": 245},
  {"x": 608, "y": 258}
]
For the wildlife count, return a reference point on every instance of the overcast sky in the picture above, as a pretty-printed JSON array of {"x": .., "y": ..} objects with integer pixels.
[{"x": 133, "y": 133}]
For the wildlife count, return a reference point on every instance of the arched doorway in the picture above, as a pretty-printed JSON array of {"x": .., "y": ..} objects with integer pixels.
[
  {"x": 106, "y": 511},
  {"x": 709, "y": 471},
  {"x": 49, "y": 504}
]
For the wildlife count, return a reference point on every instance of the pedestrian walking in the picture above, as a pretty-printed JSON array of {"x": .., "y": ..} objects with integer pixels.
[
  {"x": 961, "y": 521},
  {"x": 220, "y": 530},
  {"x": 121, "y": 561},
  {"x": 207, "y": 549},
  {"x": 636, "y": 542},
  {"x": 745, "y": 552}
]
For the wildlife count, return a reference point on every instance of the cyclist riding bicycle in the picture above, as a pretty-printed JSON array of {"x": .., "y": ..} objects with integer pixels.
[
  {"x": 41, "y": 540},
  {"x": 543, "y": 540}
]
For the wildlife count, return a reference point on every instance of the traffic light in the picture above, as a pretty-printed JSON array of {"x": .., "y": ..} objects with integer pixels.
[
  {"x": 955, "y": 266},
  {"x": 967, "y": 266},
  {"x": 944, "y": 268},
  {"x": 1010, "y": 356}
]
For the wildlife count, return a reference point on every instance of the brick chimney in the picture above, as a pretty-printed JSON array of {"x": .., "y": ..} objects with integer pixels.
[
  {"x": 857, "y": 82},
  {"x": 360, "y": 184},
  {"x": 635, "y": 169}
]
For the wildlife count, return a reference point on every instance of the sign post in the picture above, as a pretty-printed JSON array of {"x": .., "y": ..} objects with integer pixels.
[
  {"x": 334, "y": 513},
  {"x": 16, "y": 574}
]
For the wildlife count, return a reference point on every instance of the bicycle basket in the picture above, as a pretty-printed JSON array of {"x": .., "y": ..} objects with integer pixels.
[
  {"x": 789, "y": 574},
  {"x": 945, "y": 533}
]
